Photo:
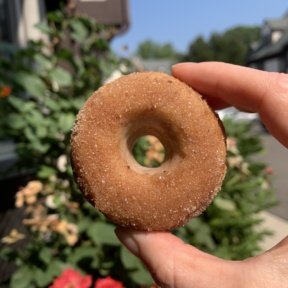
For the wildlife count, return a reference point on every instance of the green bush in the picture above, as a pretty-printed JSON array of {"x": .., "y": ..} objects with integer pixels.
[{"x": 49, "y": 83}]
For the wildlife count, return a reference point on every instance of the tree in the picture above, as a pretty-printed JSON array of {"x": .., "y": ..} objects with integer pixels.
[
  {"x": 152, "y": 50},
  {"x": 232, "y": 46}
]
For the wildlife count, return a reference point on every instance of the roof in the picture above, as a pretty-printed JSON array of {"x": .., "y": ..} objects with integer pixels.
[
  {"x": 278, "y": 24},
  {"x": 109, "y": 12},
  {"x": 267, "y": 49}
]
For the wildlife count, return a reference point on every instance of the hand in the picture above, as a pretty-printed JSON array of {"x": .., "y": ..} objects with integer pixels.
[
  {"x": 248, "y": 89},
  {"x": 173, "y": 263}
]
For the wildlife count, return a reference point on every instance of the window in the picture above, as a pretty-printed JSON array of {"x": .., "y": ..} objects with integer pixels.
[
  {"x": 4, "y": 27},
  {"x": 276, "y": 36},
  {"x": 272, "y": 65}
]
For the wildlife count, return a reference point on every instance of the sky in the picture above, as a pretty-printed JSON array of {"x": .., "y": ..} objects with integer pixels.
[{"x": 179, "y": 22}]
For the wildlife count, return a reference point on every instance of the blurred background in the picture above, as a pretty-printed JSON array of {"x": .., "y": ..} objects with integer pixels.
[{"x": 53, "y": 55}]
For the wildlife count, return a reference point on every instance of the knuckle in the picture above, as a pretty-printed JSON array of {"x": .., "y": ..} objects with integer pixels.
[
  {"x": 275, "y": 85},
  {"x": 162, "y": 275},
  {"x": 278, "y": 82},
  {"x": 166, "y": 274}
]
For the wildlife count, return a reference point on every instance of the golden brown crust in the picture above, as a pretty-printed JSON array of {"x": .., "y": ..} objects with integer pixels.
[{"x": 148, "y": 198}]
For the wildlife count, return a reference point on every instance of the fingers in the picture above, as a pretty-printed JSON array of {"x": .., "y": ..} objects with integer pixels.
[
  {"x": 271, "y": 268},
  {"x": 216, "y": 103},
  {"x": 175, "y": 264},
  {"x": 249, "y": 89}
]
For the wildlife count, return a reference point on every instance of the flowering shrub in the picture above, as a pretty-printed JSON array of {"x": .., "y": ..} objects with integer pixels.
[
  {"x": 70, "y": 278},
  {"x": 108, "y": 282},
  {"x": 149, "y": 151},
  {"x": 50, "y": 83},
  {"x": 5, "y": 91},
  {"x": 64, "y": 231}
]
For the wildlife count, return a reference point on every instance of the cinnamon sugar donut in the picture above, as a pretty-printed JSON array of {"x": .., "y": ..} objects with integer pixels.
[{"x": 114, "y": 117}]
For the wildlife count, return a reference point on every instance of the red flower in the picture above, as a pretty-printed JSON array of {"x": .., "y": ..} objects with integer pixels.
[
  {"x": 108, "y": 282},
  {"x": 70, "y": 278},
  {"x": 269, "y": 170},
  {"x": 5, "y": 91}
]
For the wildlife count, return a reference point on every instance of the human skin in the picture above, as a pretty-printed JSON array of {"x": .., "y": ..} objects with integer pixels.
[{"x": 171, "y": 262}]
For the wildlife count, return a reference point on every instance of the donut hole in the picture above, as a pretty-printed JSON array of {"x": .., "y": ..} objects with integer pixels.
[
  {"x": 148, "y": 125},
  {"x": 148, "y": 151}
]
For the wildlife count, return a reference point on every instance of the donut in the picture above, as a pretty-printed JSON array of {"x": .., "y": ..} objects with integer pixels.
[{"x": 137, "y": 197}]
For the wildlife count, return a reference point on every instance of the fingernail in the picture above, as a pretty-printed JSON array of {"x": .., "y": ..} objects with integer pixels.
[
  {"x": 182, "y": 64},
  {"x": 126, "y": 237},
  {"x": 177, "y": 64}
]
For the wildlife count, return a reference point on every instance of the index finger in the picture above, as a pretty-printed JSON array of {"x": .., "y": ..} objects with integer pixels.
[{"x": 246, "y": 88}]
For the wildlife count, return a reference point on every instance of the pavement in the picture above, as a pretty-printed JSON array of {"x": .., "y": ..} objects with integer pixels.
[
  {"x": 278, "y": 225},
  {"x": 276, "y": 219},
  {"x": 276, "y": 156}
]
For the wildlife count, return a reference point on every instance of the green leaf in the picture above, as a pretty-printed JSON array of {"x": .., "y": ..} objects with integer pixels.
[
  {"x": 43, "y": 27},
  {"x": 42, "y": 62},
  {"x": 41, "y": 131},
  {"x": 56, "y": 267},
  {"x": 45, "y": 255},
  {"x": 203, "y": 237},
  {"x": 80, "y": 32},
  {"x": 30, "y": 135},
  {"x": 15, "y": 121},
  {"x": 224, "y": 204},
  {"x": 135, "y": 268},
  {"x": 39, "y": 147},
  {"x": 28, "y": 106},
  {"x": 52, "y": 104},
  {"x": 107, "y": 265},
  {"x": 43, "y": 278},
  {"x": 16, "y": 102},
  {"x": 84, "y": 223},
  {"x": 77, "y": 103},
  {"x": 80, "y": 68},
  {"x": 201, "y": 232},
  {"x": 103, "y": 234},
  {"x": 34, "y": 118},
  {"x": 33, "y": 84},
  {"x": 66, "y": 122},
  {"x": 95, "y": 263},
  {"x": 129, "y": 261},
  {"x": 45, "y": 172},
  {"x": 60, "y": 76},
  {"x": 142, "y": 277},
  {"x": 194, "y": 224},
  {"x": 6, "y": 253},
  {"x": 81, "y": 253},
  {"x": 22, "y": 278}
]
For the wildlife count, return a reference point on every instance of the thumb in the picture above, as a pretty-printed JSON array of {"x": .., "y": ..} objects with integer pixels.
[{"x": 172, "y": 263}]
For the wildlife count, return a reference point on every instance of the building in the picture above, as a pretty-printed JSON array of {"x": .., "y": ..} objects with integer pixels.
[
  {"x": 271, "y": 52},
  {"x": 18, "y": 17}
]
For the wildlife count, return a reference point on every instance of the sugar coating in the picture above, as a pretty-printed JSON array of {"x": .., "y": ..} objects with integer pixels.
[{"x": 148, "y": 198}]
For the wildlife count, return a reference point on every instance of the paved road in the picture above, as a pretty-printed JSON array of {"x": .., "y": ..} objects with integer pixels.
[{"x": 276, "y": 156}]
